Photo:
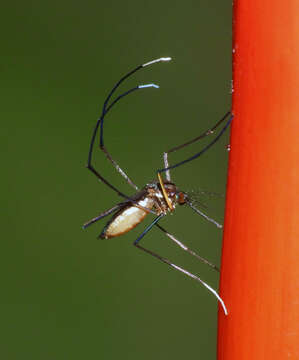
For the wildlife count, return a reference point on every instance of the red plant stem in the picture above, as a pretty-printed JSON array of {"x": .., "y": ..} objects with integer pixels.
[{"x": 260, "y": 260}]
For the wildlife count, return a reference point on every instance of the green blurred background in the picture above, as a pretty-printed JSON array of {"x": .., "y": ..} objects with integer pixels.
[{"x": 65, "y": 294}]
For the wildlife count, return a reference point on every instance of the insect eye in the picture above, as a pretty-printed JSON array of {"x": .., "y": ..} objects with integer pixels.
[{"x": 181, "y": 198}]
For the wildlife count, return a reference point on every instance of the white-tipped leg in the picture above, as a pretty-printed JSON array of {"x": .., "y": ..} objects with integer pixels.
[
  {"x": 166, "y": 165},
  {"x": 166, "y": 261},
  {"x": 204, "y": 284},
  {"x": 156, "y": 61},
  {"x": 148, "y": 85}
]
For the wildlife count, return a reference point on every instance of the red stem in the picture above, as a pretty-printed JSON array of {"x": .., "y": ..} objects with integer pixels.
[{"x": 260, "y": 261}]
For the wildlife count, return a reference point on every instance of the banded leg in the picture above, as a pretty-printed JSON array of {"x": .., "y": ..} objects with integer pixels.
[
  {"x": 166, "y": 261},
  {"x": 201, "y": 136}
]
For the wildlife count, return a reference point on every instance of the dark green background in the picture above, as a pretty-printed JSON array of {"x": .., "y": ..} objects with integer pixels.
[{"x": 64, "y": 294}]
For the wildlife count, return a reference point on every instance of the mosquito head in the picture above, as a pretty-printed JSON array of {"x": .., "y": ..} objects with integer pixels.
[{"x": 181, "y": 197}]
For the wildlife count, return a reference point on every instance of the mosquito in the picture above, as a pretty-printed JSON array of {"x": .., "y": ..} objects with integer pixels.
[{"x": 157, "y": 197}]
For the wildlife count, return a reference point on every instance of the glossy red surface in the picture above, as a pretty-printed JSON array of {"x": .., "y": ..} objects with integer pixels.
[{"x": 260, "y": 261}]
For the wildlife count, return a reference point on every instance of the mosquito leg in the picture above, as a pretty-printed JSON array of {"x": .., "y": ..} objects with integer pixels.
[
  {"x": 184, "y": 247},
  {"x": 100, "y": 177},
  {"x": 100, "y": 122},
  {"x": 106, "y": 108},
  {"x": 91, "y": 168},
  {"x": 166, "y": 261},
  {"x": 201, "y": 136},
  {"x": 101, "y": 145},
  {"x": 203, "y": 215},
  {"x": 166, "y": 166},
  {"x": 104, "y": 214},
  {"x": 117, "y": 167}
]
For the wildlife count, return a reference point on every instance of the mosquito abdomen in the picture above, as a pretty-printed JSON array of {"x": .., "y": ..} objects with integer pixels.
[{"x": 127, "y": 218}]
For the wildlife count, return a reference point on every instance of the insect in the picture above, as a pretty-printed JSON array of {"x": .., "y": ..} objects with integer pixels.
[{"x": 157, "y": 197}]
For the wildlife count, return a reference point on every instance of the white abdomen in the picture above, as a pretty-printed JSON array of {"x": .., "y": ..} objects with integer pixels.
[{"x": 127, "y": 219}]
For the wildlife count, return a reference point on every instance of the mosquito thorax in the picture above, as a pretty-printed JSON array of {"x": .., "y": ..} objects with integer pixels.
[{"x": 175, "y": 196}]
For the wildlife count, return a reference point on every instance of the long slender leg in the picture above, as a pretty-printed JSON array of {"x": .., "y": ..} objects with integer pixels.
[
  {"x": 101, "y": 145},
  {"x": 117, "y": 191},
  {"x": 184, "y": 247},
  {"x": 103, "y": 148},
  {"x": 189, "y": 203},
  {"x": 104, "y": 214},
  {"x": 118, "y": 168},
  {"x": 206, "y": 133},
  {"x": 166, "y": 261},
  {"x": 100, "y": 177},
  {"x": 100, "y": 123}
]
